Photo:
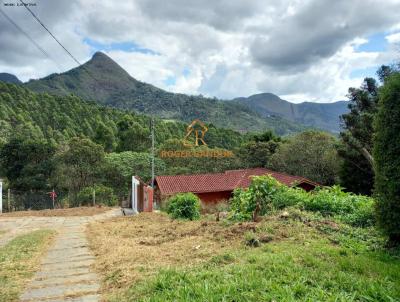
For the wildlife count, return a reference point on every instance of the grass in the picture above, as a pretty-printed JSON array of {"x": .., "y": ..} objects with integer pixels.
[
  {"x": 19, "y": 259},
  {"x": 301, "y": 258},
  {"x": 78, "y": 211}
]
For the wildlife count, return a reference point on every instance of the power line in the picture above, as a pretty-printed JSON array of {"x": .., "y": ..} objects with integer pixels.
[
  {"x": 44, "y": 26},
  {"x": 30, "y": 39},
  {"x": 59, "y": 43}
]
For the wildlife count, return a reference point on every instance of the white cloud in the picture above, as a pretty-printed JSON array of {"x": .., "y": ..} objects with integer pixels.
[
  {"x": 393, "y": 38},
  {"x": 300, "y": 50}
]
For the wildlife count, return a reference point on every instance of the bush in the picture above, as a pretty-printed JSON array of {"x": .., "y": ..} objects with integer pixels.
[
  {"x": 184, "y": 205},
  {"x": 268, "y": 193},
  {"x": 356, "y": 210},
  {"x": 271, "y": 196},
  {"x": 104, "y": 195},
  {"x": 387, "y": 159}
]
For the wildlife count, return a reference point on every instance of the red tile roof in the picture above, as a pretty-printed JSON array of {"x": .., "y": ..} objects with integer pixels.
[{"x": 218, "y": 182}]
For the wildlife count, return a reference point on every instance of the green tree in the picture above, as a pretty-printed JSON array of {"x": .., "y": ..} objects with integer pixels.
[
  {"x": 27, "y": 164},
  {"x": 258, "y": 151},
  {"x": 106, "y": 137},
  {"x": 387, "y": 159},
  {"x": 122, "y": 166},
  {"x": 356, "y": 138},
  {"x": 80, "y": 162},
  {"x": 310, "y": 154},
  {"x": 355, "y": 172},
  {"x": 132, "y": 136}
]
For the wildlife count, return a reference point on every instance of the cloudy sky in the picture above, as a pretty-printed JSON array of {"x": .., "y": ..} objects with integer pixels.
[{"x": 300, "y": 50}]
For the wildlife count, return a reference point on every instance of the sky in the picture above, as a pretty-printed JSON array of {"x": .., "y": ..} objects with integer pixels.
[{"x": 310, "y": 50}]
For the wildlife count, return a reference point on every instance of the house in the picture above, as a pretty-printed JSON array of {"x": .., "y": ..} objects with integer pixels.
[{"x": 213, "y": 187}]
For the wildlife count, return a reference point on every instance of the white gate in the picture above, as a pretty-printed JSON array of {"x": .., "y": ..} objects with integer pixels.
[{"x": 135, "y": 196}]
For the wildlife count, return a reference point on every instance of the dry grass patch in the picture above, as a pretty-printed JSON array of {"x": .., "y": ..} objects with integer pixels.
[
  {"x": 79, "y": 211},
  {"x": 133, "y": 251},
  {"x": 287, "y": 256},
  {"x": 130, "y": 249}
]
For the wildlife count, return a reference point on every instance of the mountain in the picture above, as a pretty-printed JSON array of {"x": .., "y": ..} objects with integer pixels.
[
  {"x": 317, "y": 115},
  {"x": 59, "y": 118},
  {"x": 9, "y": 78},
  {"x": 104, "y": 81}
]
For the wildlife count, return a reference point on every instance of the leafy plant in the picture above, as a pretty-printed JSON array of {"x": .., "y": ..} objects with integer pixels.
[
  {"x": 269, "y": 195},
  {"x": 184, "y": 205}
]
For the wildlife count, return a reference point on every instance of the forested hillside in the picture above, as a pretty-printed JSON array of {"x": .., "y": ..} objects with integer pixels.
[
  {"x": 58, "y": 118},
  {"x": 104, "y": 81}
]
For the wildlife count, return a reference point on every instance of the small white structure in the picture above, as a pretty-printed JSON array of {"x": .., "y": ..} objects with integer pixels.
[{"x": 135, "y": 195}]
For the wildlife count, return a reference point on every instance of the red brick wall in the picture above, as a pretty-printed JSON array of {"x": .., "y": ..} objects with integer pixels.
[
  {"x": 213, "y": 197},
  {"x": 306, "y": 186}
]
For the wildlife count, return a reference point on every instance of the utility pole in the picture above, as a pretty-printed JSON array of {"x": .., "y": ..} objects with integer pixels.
[
  {"x": 53, "y": 196},
  {"x": 152, "y": 151},
  {"x": 9, "y": 200},
  {"x": 94, "y": 197},
  {"x": 1, "y": 196}
]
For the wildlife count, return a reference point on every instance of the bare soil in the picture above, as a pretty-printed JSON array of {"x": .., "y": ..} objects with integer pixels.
[{"x": 79, "y": 211}]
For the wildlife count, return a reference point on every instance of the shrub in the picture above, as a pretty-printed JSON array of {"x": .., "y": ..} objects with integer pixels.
[
  {"x": 184, "y": 205},
  {"x": 356, "y": 210},
  {"x": 104, "y": 195},
  {"x": 387, "y": 159},
  {"x": 270, "y": 195}
]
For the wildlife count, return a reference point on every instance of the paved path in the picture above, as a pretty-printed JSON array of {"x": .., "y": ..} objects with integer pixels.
[{"x": 65, "y": 273}]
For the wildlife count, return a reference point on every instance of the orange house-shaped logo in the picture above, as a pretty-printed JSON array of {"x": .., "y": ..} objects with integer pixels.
[{"x": 198, "y": 129}]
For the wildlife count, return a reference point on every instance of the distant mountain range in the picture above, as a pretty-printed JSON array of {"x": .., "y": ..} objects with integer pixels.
[
  {"x": 318, "y": 115},
  {"x": 102, "y": 80}
]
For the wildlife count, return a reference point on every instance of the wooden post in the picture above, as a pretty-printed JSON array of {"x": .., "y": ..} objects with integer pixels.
[
  {"x": 94, "y": 197},
  {"x": 9, "y": 200}
]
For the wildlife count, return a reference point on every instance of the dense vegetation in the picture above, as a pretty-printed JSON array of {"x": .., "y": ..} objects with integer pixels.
[
  {"x": 356, "y": 171},
  {"x": 266, "y": 195},
  {"x": 68, "y": 144},
  {"x": 387, "y": 158},
  {"x": 104, "y": 81},
  {"x": 310, "y": 154},
  {"x": 64, "y": 143},
  {"x": 370, "y": 146}
]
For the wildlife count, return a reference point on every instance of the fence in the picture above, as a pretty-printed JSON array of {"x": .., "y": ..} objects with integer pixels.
[{"x": 14, "y": 200}]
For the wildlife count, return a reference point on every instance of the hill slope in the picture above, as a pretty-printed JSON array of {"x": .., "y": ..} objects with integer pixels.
[
  {"x": 104, "y": 81},
  {"x": 58, "y": 118},
  {"x": 324, "y": 116},
  {"x": 9, "y": 78}
]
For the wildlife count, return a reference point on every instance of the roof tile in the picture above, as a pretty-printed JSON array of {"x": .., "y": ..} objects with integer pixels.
[{"x": 217, "y": 182}]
